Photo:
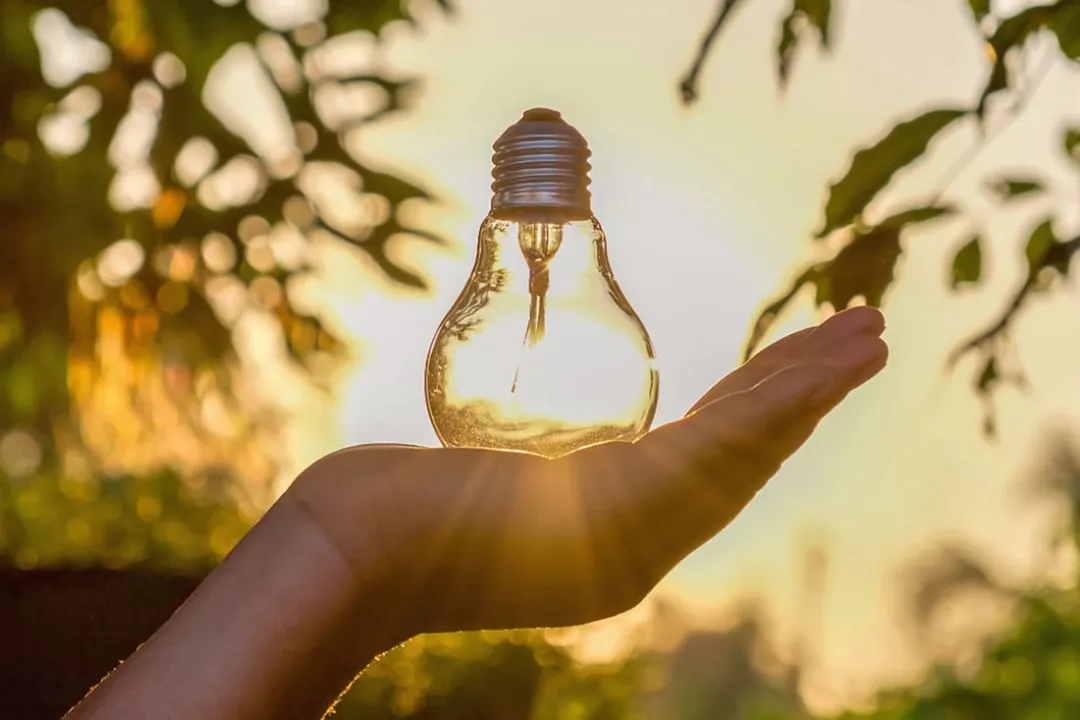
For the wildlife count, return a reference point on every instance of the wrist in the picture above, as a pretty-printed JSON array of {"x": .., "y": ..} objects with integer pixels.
[{"x": 349, "y": 511}]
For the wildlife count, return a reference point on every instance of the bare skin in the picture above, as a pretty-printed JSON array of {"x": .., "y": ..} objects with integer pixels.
[{"x": 376, "y": 544}]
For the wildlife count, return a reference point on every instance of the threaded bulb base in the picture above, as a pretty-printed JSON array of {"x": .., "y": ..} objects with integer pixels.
[{"x": 541, "y": 165}]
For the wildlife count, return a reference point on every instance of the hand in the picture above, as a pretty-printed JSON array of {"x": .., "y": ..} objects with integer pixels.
[
  {"x": 470, "y": 539},
  {"x": 375, "y": 544}
]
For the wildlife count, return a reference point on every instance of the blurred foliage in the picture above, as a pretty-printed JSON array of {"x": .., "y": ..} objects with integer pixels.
[
  {"x": 1031, "y": 668},
  {"x": 143, "y": 211},
  {"x": 140, "y": 220},
  {"x": 1031, "y": 672},
  {"x": 1028, "y": 669},
  {"x": 138, "y": 223},
  {"x": 867, "y": 250},
  {"x": 121, "y": 521},
  {"x": 708, "y": 675},
  {"x": 492, "y": 676}
]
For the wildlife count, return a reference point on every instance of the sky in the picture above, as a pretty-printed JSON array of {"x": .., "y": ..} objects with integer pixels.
[{"x": 707, "y": 210}]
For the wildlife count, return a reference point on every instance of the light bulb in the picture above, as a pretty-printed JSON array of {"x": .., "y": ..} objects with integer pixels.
[{"x": 541, "y": 352}]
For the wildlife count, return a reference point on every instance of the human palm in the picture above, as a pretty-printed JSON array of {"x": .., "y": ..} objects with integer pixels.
[{"x": 468, "y": 538}]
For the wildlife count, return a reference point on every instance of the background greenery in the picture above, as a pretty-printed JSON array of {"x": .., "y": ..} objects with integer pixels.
[{"x": 106, "y": 344}]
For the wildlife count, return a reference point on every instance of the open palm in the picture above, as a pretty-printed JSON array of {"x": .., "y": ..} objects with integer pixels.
[{"x": 468, "y": 539}]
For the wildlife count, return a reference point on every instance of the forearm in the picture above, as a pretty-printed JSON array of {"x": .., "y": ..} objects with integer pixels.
[
  {"x": 278, "y": 630},
  {"x": 375, "y": 544}
]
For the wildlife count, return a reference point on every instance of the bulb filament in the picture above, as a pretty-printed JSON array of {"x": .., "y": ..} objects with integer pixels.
[{"x": 538, "y": 253}]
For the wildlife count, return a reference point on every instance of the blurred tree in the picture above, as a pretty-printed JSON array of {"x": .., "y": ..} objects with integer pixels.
[
  {"x": 165, "y": 169},
  {"x": 1028, "y": 669},
  {"x": 868, "y": 243},
  {"x": 141, "y": 215},
  {"x": 725, "y": 674},
  {"x": 494, "y": 676}
]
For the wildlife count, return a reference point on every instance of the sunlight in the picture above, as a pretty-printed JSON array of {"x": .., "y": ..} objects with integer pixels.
[
  {"x": 243, "y": 244},
  {"x": 240, "y": 92},
  {"x": 554, "y": 376},
  {"x": 589, "y": 364},
  {"x": 68, "y": 52}
]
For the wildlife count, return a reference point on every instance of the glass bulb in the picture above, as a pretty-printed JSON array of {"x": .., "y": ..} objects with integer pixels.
[{"x": 541, "y": 352}]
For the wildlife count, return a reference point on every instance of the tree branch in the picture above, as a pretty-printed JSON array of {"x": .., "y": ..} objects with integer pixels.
[
  {"x": 1014, "y": 113},
  {"x": 1060, "y": 253},
  {"x": 689, "y": 84}
]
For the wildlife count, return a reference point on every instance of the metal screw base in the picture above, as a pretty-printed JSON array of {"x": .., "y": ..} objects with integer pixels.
[{"x": 541, "y": 166}]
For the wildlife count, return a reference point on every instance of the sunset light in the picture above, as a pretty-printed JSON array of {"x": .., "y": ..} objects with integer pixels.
[{"x": 240, "y": 238}]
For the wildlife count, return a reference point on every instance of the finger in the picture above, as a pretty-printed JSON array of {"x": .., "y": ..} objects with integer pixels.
[
  {"x": 755, "y": 430},
  {"x": 863, "y": 320},
  {"x": 780, "y": 354},
  {"x": 697, "y": 474},
  {"x": 644, "y": 506},
  {"x": 783, "y": 396},
  {"x": 654, "y": 502},
  {"x": 800, "y": 346}
]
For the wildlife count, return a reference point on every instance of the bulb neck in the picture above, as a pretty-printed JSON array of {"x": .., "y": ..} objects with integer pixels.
[{"x": 541, "y": 169}]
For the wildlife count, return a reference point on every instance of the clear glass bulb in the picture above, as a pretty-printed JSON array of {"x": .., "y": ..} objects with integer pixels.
[{"x": 541, "y": 352}]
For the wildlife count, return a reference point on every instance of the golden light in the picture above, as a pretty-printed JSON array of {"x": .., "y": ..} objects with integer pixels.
[
  {"x": 237, "y": 183},
  {"x": 67, "y": 52},
  {"x": 169, "y": 207},
  {"x": 196, "y": 158},
  {"x": 706, "y": 208},
  {"x": 218, "y": 252},
  {"x": 120, "y": 261},
  {"x": 172, "y": 297},
  {"x": 20, "y": 453},
  {"x": 169, "y": 70}
]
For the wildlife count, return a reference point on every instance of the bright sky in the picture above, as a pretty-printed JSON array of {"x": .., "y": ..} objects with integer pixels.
[{"x": 706, "y": 211}]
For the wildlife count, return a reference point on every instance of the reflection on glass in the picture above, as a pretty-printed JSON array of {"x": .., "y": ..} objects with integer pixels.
[{"x": 541, "y": 352}]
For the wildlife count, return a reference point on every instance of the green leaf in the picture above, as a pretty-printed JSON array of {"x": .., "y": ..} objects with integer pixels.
[
  {"x": 1071, "y": 143},
  {"x": 1010, "y": 188},
  {"x": 1065, "y": 24},
  {"x": 1014, "y": 30},
  {"x": 814, "y": 14},
  {"x": 872, "y": 168},
  {"x": 979, "y": 8},
  {"x": 393, "y": 188},
  {"x": 913, "y": 216},
  {"x": 22, "y": 390},
  {"x": 11, "y": 329},
  {"x": 988, "y": 376},
  {"x": 967, "y": 264},
  {"x": 1041, "y": 240},
  {"x": 195, "y": 334},
  {"x": 1011, "y": 33},
  {"x": 201, "y": 38},
  {"x": 998, "y": 81},
  {"x": 789, "y": 40},
  {"x": 1060, "y": 257},
  {"x": 344, "y": 17},
  {"x": 689, "y": 85},
  {"x": 819, "y": 13},
  {"x": 865, "y": 266}
]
